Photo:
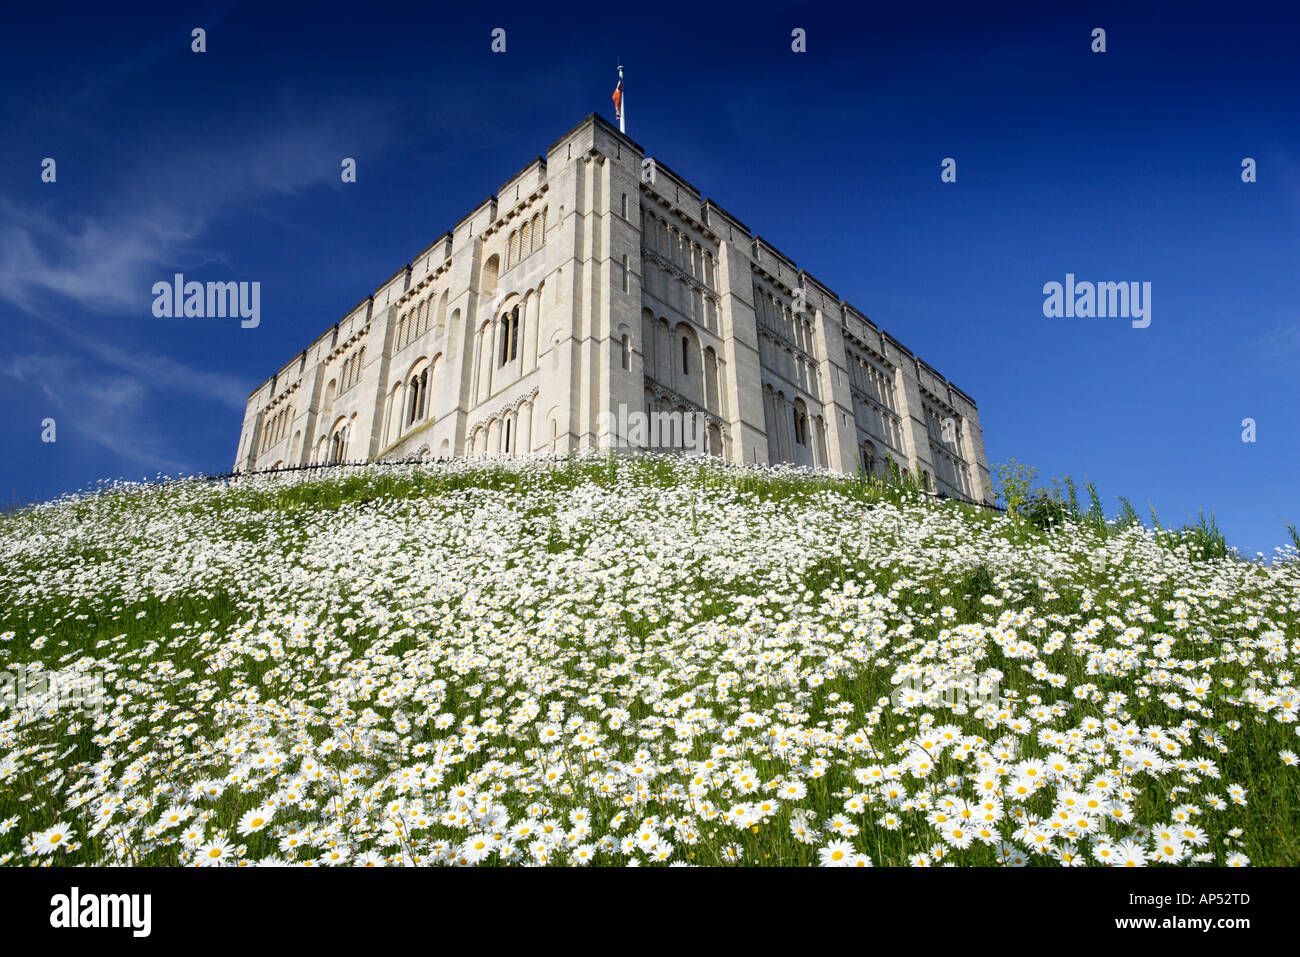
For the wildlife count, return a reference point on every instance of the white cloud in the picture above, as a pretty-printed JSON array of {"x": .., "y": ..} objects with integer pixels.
[
  {"x": 105, "y": 406},
  {"x": 108, "y": 260},
  {"x": 57, "y": 268},
  {"x": 100, "y": 263}
]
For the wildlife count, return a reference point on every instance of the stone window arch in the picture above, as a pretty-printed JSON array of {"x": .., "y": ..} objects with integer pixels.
[
  {"x": 440, "y": 321},
  {"x": 453, "y": 334},
  {"x": 393, "y": 429},
  {"x": 509, "y": 336},
  {"x": 800, "y": 422},
  {"x": 868, "y": 457},
  {"x": 712, "y": 381},
  {"x": 415, "y": 403},
  {"x": 338, "y": 442},
  {"x": 715, "y": 445},
  {"x": 491, "y": 271}
]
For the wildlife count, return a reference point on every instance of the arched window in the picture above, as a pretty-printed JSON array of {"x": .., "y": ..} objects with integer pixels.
[
  {"x": 394, "y": 414},
  {"x": 627, "y": 353},
  {"x": 869, "y": 458},
  {"x": 441, "y": 320},
  {"x": 648, "y": 342},
  {"x": 339, "y": 444},
  {"x": 712, "y": 383},
  {"x": 491, "y": 269},
  {"x": 686, "y": 356},
  {"x": 800, "y": 423},
  {"x": 509, "y": 336},
  {"x": 413, "y": 399}
]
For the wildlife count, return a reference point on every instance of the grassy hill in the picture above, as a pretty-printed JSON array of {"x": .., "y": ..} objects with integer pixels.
[{"x": 632, "y": 661}]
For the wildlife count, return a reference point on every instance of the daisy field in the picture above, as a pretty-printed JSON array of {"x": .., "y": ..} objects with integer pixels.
[{"x": 620, "y": 661}]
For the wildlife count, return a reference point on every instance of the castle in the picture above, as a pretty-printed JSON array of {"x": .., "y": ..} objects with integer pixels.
[{"x": 596, "y": 281}]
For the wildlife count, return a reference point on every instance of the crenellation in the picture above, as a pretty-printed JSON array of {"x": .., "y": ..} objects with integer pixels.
[
  {"x": 930, "y": 379},
  {"x": 817, "y": 294},
  {"x": 675, "y": 192},
  {"x": 521, "y": 188},
  {"x": 717, "y": 219},
  {"x": 776, "y": 264},
  {"x": 432, "y": 260},
  {"x": 464, "y": 233},
  {"x": 393, "y": 287}
]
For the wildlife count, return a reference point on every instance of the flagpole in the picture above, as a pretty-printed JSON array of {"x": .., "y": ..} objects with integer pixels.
[{"x": 622, "y": 102}]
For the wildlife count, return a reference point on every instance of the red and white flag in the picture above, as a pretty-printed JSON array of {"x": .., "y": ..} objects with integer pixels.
[{"x": 618, "y": 99}]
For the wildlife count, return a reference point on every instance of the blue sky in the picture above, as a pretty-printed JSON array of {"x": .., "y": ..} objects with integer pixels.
[{"x": 1122, "y": 166}]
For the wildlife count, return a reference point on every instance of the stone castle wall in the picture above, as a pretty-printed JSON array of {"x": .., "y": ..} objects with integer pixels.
[{"x": 596, "y": 281}]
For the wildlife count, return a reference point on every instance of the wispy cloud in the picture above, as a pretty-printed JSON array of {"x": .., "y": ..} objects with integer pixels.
[
  {"x": 105, "y": 406},
  {"x": 107, "y": 260},
  {"x": 1280, "y": 344},
  {"x": 97, "y": 262},
  {"x": 166, "y": 373},
  {"x": 57, "y": 268}
]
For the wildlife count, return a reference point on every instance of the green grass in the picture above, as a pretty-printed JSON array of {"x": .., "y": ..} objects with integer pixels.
[{"x": 88, "y": 592}]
